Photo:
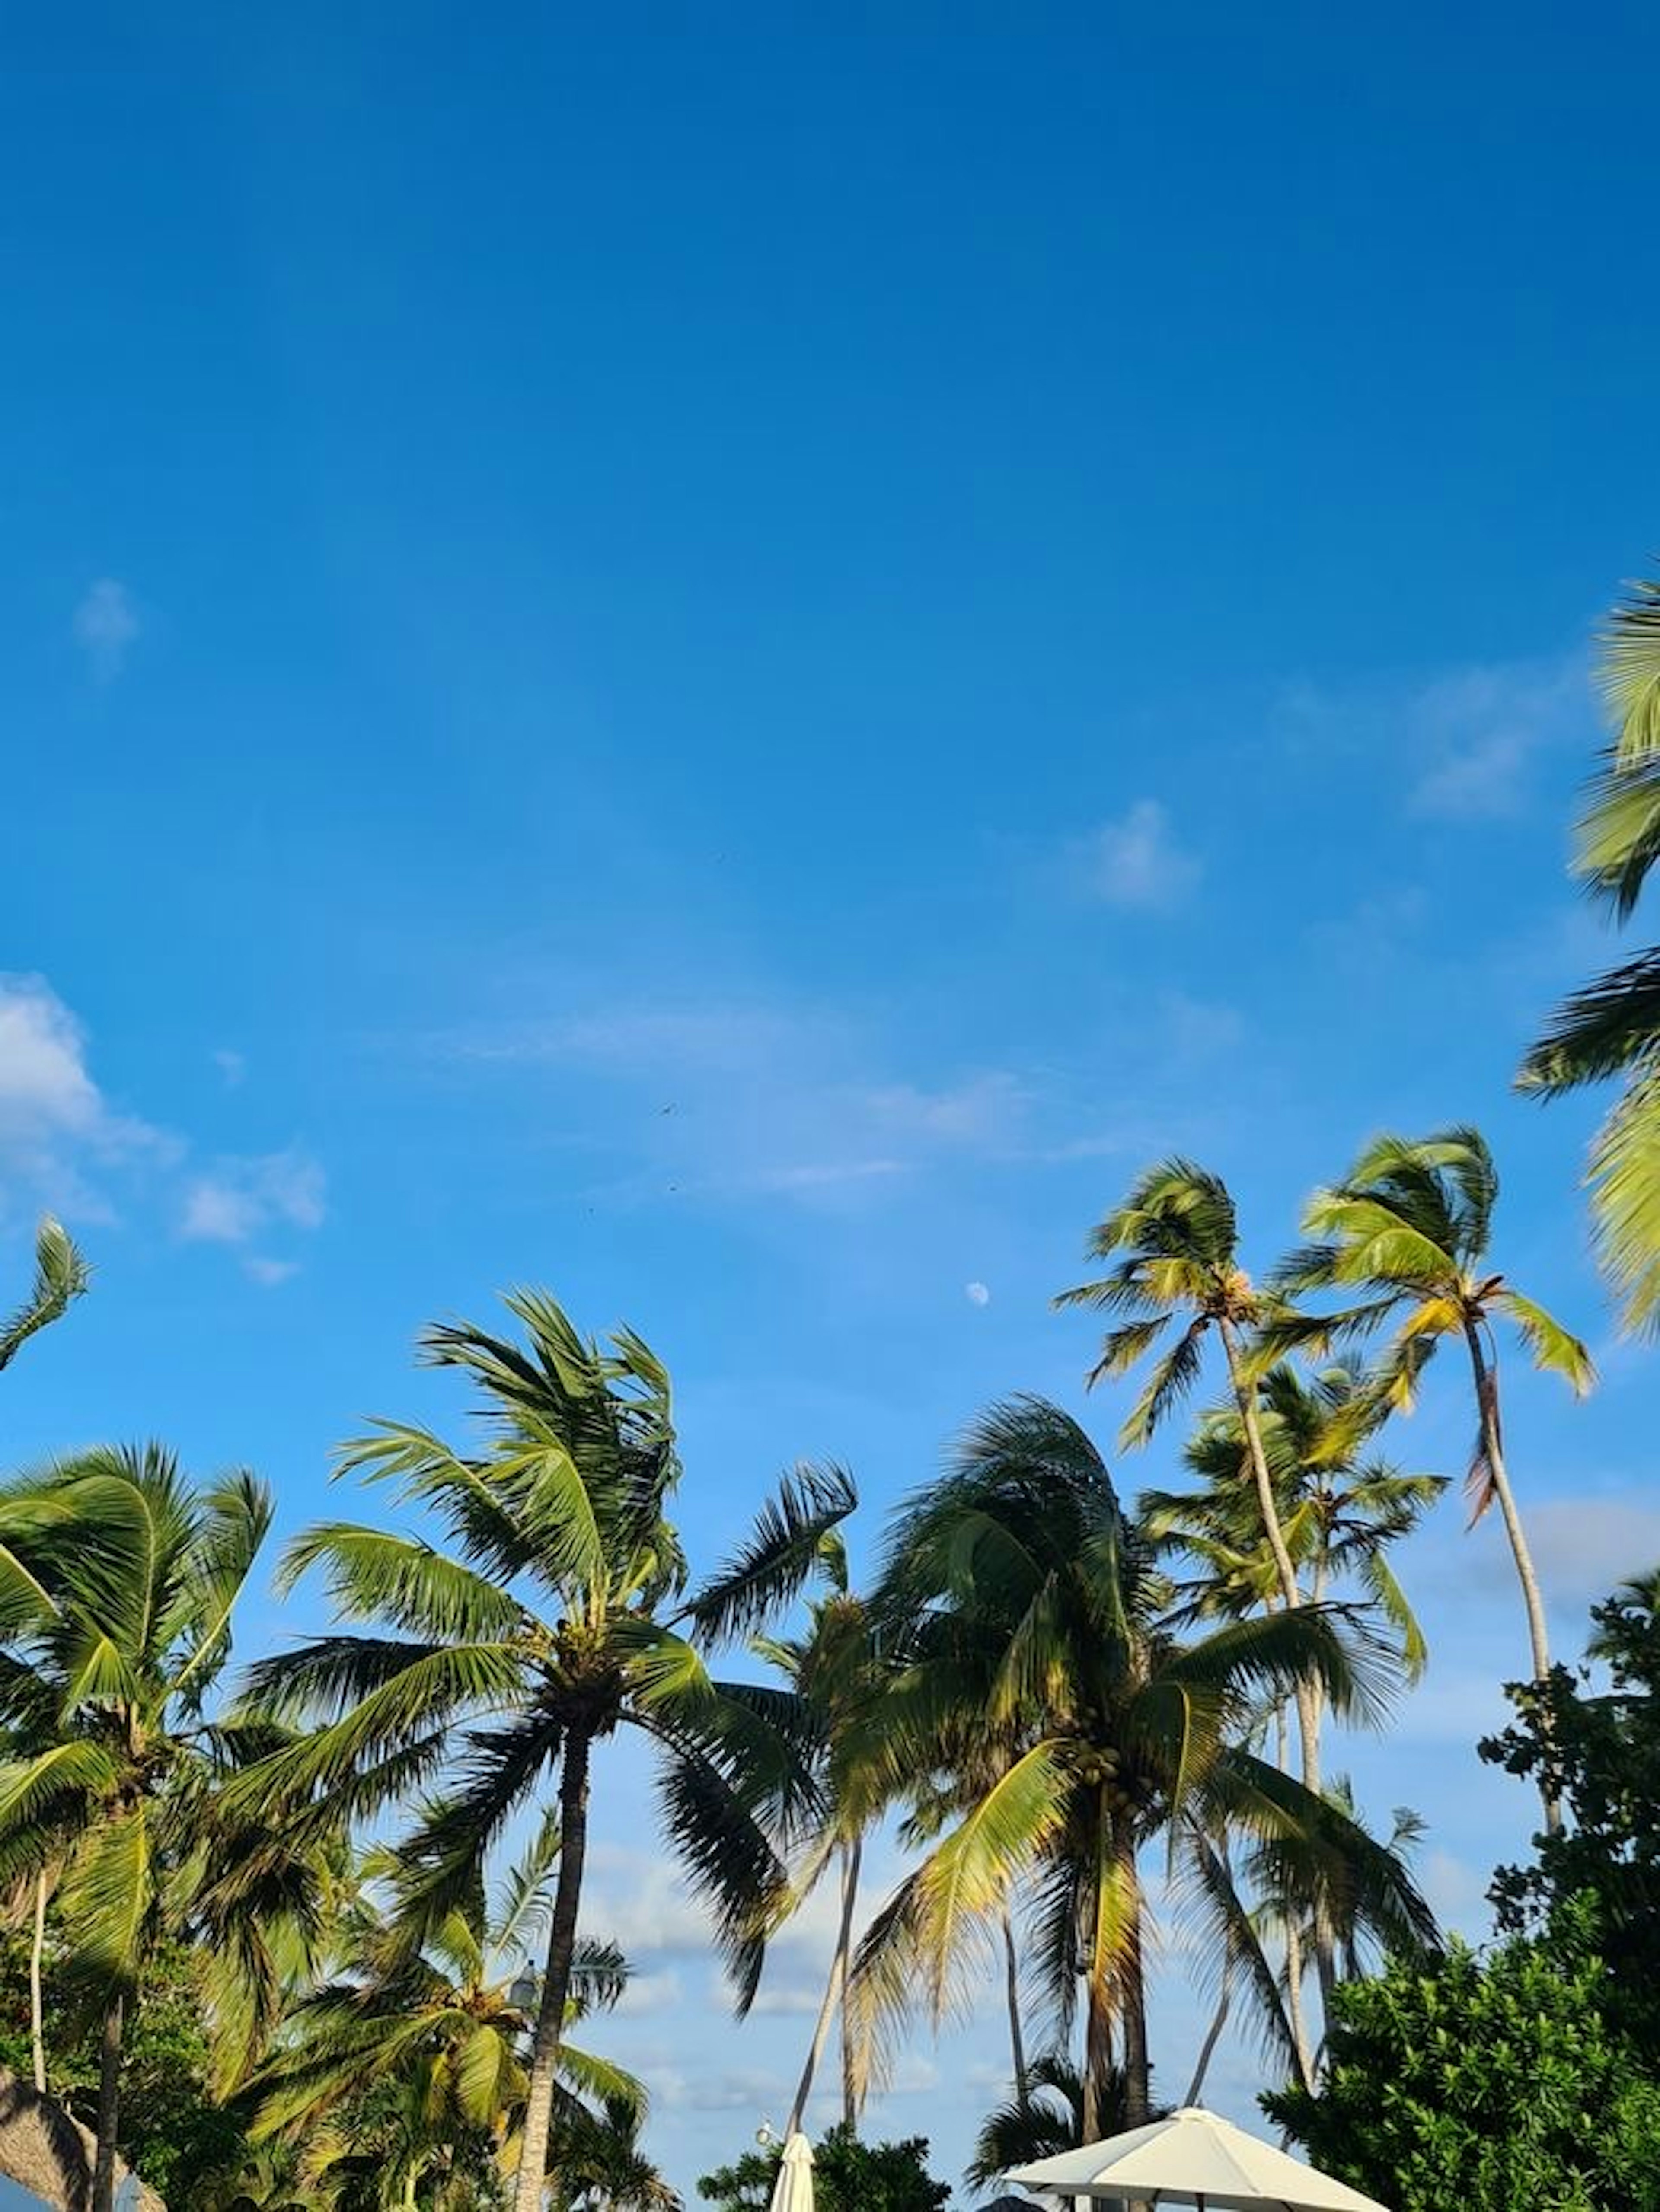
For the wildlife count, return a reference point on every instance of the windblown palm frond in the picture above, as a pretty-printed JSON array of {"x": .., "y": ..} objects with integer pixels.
[
  {"x": 1611, "y": 1028},
  {"x": 61, "y": 1276}
]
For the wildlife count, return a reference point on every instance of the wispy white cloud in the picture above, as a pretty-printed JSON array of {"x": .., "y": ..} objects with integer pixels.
[
  {"x": 56, "y": 1128},
  {"x": 233, "y": 1068},
  {"x": 1467, "y": 745},
  {"x": 238, "y": 1198},
  {"x": 805, "y": 1176},
  {"x": 107, "y": 626},
  {"x": 1136, "y": 861},
  {"x": 1483, "y": 728},
  {"x": 1582, "y": 1547},
  {"x": 736, "y": 1099},
  {"x": 269, "y": 1273},
  {"x": 982, "y": 1110}
]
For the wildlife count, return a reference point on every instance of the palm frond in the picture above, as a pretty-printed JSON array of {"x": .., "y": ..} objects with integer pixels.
[
  {"x": 1554, "y": 1347},
  {"x": 61, "y": 1275},
  {"x": 1624, "y": 1175},
  {"x": 377, "y": 1576},
  {"x": 1617, "y": 837},
  {"x": 771, "y": 1568},
  {"x": 1628, "y": 670},
  {"x": 1605, "y": 1029}
]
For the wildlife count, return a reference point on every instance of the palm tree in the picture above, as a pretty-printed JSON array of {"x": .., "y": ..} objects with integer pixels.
[
  {"x": 501, "y": 1665},
  {"x": 1039, "y": 2122},
  {"x": 435, "y": 2017},
  {"x": 1023, "y": 1606},
  {"x": 61, "y": 1275},
  {"x": 836, "y": 1672},
  {"x": 1175, "y": 1245},
  {"x": 603, "y": 2169},
  {"x": 1611, "y": 1028},
  {"x": 118, "y": 1584},
  {"x": 1411, "y": 1226},
  {"x": 1341, "y": 1509}
]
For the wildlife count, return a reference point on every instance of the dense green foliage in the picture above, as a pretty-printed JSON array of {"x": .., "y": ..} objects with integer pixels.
[
  {"x": 1488, "y": 2083},
  {"x": 1599, "y": 1744},
  {"x": 173, "y": 2127},
  {"x": 1531, "y": 2074},
  {"x": 848, "y": 2176}
]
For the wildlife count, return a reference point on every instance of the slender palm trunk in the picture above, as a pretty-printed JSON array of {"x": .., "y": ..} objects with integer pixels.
[
  {"x": 852, "y": 2056},
  {"x": 1295, "y": 2014},
  {"x": 1486, "y": 1373},
  {"x": 109, "y": 2108},
  {"x": 834, "y": 1995},
  {"x": 1219, "y": 2020},
  {"x": 556, "y": 1986},
  {"x": 1012, "y": 1992},
  {"x": 1308, "y": 1711},
  {"x": 37, "y": 1961}
]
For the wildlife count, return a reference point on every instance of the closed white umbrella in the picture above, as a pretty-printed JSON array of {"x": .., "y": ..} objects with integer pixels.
[
  {"x": 1193, "y": 2158},
  {"x": 792, "y": 2190}
]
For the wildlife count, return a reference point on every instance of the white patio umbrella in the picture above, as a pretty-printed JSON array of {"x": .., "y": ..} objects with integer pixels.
[
  {"x": 792, "y": 2190},
  {"x": 1193, "y": 2158}
]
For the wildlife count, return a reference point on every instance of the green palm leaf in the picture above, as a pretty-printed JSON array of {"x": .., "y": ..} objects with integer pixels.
[{"x": 61, "y": 1276}]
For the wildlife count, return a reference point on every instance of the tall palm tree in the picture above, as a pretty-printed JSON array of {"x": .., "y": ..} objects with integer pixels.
[
  {"x": 1022, "y": 1603},
  {"x": 118, "y": 1585},
  {"x": 1174, "y": 1243},
  {"x": 1342, "y": 1507},
  {"x": 1410, "y": 1227},
  {"x": 61, "y": 1276},
  {"x": 837, "y": 1673},
  {"x": 1610, "y": 1029},
  {"x": 437, "y": 2016},
  {"x": 501, "y": 1665}
]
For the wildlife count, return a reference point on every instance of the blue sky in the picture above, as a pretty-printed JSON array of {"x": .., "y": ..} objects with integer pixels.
[{"x": 730, "y": 659}]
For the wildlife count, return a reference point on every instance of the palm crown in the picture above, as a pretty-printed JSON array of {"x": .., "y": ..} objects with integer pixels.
[
  {"x": 1412, "y": 1223},
  {"x": 1023, "y": 1603},
  {"x": 1175, "y": 1245},
  {"x": 499, "y": 1664},
  {"x": 1342, "y": 1506}
]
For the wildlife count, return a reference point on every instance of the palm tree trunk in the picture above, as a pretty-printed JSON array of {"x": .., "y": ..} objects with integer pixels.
[
  {"x": 37, "y": 1959},
  {"x": 1011, "y": 1990},
  {"x": 1294, "y": 2011},
  {"x": 835, "y": 1989},
  {"x": 1116, "y": 1984},
  {"x": 1493, "y": 1446},
  {"x": 1308, "y": 1712},
  {"x": 109, "y": 2108},
  {"x": 1219, "y": 2020},
  {"x": 555, "y": 1985},
  {"x": 851, "y": 2067}
]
